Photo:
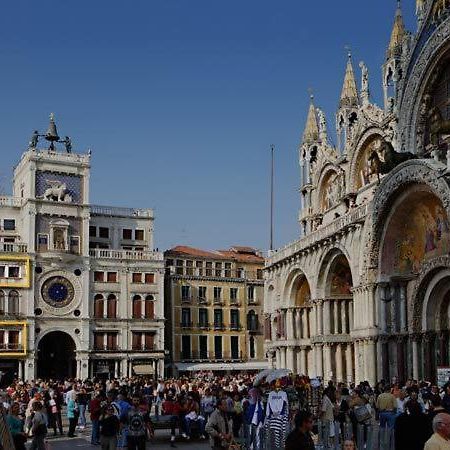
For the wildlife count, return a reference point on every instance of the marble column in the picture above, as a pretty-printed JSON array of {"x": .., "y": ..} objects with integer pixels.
[
  {"x": 304, "y": 361},
  {"x": 327, "y": 367},
  {"x": 348, "y": 363},
  {"x": 336, "y": 317},
  {"x": 283, "y": 358},
  {"x": 338, "y": 356},
  {"x": 380, "y": 359},
  {"x": 382, "y": 291},
  {"x": 344, "y": 306},
  {"x": 350, "y": 314},
  {"x": 415, "y": 358},
  {"x": 278, "y": 358},
  {"x": 370, "y": 362},
  {"x": 326, "y": 317},
  {"x": 289, "y": 324},
  {"x": 357, "y": 374},
  {"x": 403, "y": 324},
  {"x": 320, "y": 316},
  {"x": 299, "y": 362},
  {"x": 319, "y": 360},
  {"x": 290, "y": 359},
  {"x": 298, "y": 324},
  {"x": 304, "y": 323}
]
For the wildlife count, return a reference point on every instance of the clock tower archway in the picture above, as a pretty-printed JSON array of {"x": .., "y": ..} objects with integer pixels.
[{"x": 56, "y": 356}]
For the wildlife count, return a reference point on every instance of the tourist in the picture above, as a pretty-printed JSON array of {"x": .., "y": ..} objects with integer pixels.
[
  {"x": 300, "y": 437},
  {"x": 386, "y": 406},
  {"x": 440, "y": 440},
  {"x": 138, "y": 423},
  {"x": 219, "y": 427},
  {"x": 171, "y": 407},
  {"x": 109, "y": 428},
  {"x": 38, "y": 427},
  {"x": 15, "y": 424},
  {"x": 237, "y": 415},
  {"x": 193, "y": 416},
  {"x": 254, "y": 419},
  {"x": 72, "y": 412},
  {"x": 82, "y": 401},
  {"x": 349, "y": 445},
  {"x": 327, "y": 414},
  {"x": 207, "y": 403},
  {"x": 95, "y": 408}
]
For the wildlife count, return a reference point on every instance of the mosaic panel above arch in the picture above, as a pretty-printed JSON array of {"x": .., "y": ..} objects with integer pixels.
[{"x": 419, "y": 230}]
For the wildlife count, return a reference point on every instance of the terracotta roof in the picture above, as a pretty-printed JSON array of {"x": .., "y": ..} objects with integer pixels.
[{"x": 236, "y": 253}]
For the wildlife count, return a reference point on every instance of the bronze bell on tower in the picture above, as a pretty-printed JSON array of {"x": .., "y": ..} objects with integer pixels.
[{"x": 52, "y": 133}]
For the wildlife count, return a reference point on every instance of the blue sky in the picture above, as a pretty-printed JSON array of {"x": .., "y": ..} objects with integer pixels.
[{"x": 179, "y": 100}]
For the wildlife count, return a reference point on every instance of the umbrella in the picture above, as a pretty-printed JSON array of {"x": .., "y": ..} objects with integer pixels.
[
  {"x": 277, "y": 374},
  {"x": 261, "y": 376}
]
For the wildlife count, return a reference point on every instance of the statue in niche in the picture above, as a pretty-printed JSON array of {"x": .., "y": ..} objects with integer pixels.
[
  {"x": 58, "y": 239},
  {"x": 322, "y": 125}
]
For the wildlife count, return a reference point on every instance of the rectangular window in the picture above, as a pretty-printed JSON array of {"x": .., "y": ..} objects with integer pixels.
[
  {"x": 259, "y": 274},
  {"x": 202, "y": 292},
  {"x": 2, "y": 271},
  {"x": 218, "y": 318},
  {"x": 127, "y": 234},
  {"x": 103, "y": 232},
  {"x": 203, "y": 346},
  {"x": 227, "y": 270},
  {"x": 179, "y": 263},
  {"x": 251, "y": 292},
  {"x": 92, "y": 231},
  {"x": 203, "y": 318},
  {"x": 218, "y": 271},
  {"x": 233, "y": 293},
  {"x": 137, "y": 277},
  {"x": 185, "y": 347},
  {"x": 149, "y": 341},
  {"x": 169, "y": 262},
  {"x": 9, "y": 224},
  {"x": 99, "y": 277},
  {"x": 75, "y": 244},
  {"x": 136, "y": 341},
  {"x": 42, "y": 242},
  {"x": 111, "y": 341},
  {"x": 139, "y": 235},
  {"x": 112, "y": 277},
  {"x": 13, "y": 272},
  {"x": 234, "y": 343},
  {"x": 149, "y": 278},
  {"x": 240, "y": 272},
  {"x": 234, "y": 319},
  {"x": 208, "y": 268},
  {"x": 13, "y": 337},
  {"x": 218, "y": 347},
  {"x": 217, "y": 293},
  {"x": 98, "y": 341},
  {"x": 186, "y": 317},
  {"x": 185, "y": 293}
]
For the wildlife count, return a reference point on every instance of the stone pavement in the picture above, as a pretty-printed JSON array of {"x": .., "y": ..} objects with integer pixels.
[{"x": 161, "y": 441}]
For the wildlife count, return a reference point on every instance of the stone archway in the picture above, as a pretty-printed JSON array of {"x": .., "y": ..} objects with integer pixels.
[{"x": 56, "y": 356}]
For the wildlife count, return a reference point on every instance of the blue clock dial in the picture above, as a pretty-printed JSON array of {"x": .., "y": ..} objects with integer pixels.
[{"x": 57, "y": 291}]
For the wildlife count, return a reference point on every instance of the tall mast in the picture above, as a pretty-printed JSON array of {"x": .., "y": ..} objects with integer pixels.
[{"x": 271, "y": 196}]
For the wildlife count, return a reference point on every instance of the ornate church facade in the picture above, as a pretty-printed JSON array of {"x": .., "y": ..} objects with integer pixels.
[{"x": 364, "y": 293}]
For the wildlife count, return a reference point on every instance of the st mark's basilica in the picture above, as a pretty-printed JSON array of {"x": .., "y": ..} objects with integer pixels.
[{"x": 364, "y": 293}]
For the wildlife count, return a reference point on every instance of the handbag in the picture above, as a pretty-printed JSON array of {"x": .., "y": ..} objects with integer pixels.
[{"x": 362, "y": 414}]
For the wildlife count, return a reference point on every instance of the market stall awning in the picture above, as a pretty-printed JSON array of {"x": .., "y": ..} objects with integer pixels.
[
  {"x": 143, "y": 369},
  {"x": 235, "y": 367}
]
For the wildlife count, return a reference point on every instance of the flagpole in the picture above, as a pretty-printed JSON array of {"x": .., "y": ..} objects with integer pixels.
[{"x": 271, "y": 197}]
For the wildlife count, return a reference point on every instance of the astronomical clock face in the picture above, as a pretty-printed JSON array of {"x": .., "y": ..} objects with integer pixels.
[{"x": 57, "y": 291}]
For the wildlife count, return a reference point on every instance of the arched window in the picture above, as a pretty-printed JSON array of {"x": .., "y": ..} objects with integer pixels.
[
  {"x": 13, "y": 302},
  {"x": 137, "y": 307},
  {"x": 111, "y": 307},
  {"x": 98, "y": 306},
  {"x": 149, "y": 307},
  {"x": 252, "y": 321},
  {"x": 252, "y": 347},
  {"x": 2, "y": 303}
]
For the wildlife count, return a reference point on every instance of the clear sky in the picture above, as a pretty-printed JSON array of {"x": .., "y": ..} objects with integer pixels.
[{"x": 179, "y": 100}]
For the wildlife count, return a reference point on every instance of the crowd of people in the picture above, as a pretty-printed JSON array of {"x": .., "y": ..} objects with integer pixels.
[{"x": 232, "y": 412}]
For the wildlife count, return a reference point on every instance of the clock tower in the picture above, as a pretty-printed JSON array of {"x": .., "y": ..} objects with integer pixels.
[{"x": 54, "y": 185}]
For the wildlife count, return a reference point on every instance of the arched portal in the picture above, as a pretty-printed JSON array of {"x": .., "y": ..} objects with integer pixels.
[
  {"x": 56, "y": 356},
  {"x": 336, "y": 317}
]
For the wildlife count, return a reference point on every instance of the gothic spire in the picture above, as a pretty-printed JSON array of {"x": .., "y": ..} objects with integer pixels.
[
  {"x": 349, "y": 94},
  {"x": 311, "y": 133},
  {"x": 397, "y": 35}
]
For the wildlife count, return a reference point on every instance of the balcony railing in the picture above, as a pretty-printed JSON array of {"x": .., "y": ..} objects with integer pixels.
[
  {"x": 13, "y": 202},
  {"x": 212, "y": 356},
  {"x": 186, "y": 299},
  {"x": 219, "y": 326},
  {"x": 143, "y": 348},
  {"x": 186, "y": 325},
  {"x": 13, "y": 247},
  {"x": 203, "y": 325},
  {"x": 113, "y": 211},
  {"x": 107, "y": 348},
  {"x": 218, "y": 273},
  {"x": 10, "y": 347},
  {"x": 137, "y": 255},
  {"x": 235, "y": 327}
]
